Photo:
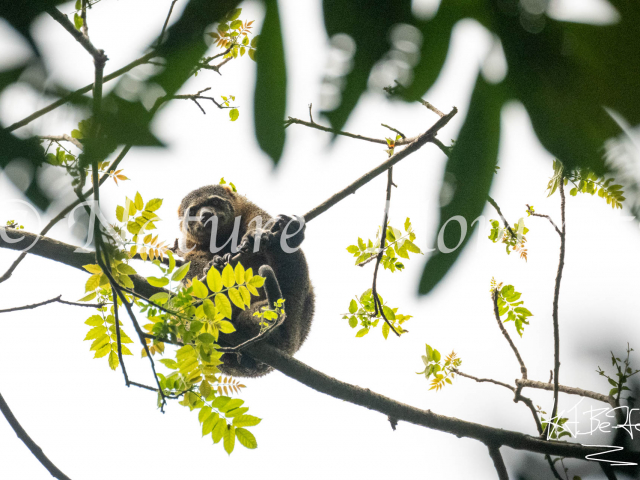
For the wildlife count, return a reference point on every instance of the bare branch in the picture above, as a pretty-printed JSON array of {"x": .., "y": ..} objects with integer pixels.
[
  {"x": 63, "y": 138},
  {"x": 83, "y": 15},
  {"x": 556, "y": 297},
  {"x": 404, "y": 137},
  {"x": 504, "y": 220},
  {"x": 52, "y": 300},
  {"x": 533, "y": 214},
  {"x": 498, "y": 462},
  {"x": 381, "y": 141},
  {"x": 426, "y": 137},
  {"x": 569, "y": 390},
  {"x": 364, "y": 397},
  {"x": 431, "y": 107},
  {"x": 58, "y": 16},
  {"x": 482, "y": 380},
  {"x": 31, "y": 445},
  {"x": 523, "y": 368},
  {"x": 166, "y": 22},
  {"x": 383, "y": 236}
]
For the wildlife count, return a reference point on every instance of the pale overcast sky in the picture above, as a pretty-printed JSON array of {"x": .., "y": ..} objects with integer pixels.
[{"x": 92, "y": 427}]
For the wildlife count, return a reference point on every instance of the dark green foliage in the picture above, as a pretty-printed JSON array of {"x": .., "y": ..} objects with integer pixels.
[
  {"x": 468, "y": 176},
  {"x": 271, "y": 86}
]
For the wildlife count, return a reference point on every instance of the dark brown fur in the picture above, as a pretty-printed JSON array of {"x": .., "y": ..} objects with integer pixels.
[{"x": 290, "y": 270}]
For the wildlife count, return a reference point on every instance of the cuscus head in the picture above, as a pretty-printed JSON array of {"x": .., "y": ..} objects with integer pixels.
[{"x": 205, "y": 208}]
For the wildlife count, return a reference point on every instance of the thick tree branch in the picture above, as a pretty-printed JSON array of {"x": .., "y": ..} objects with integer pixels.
[
  {"x": 428, "y": 136},
  {"x": 364, "y": 397},
  {"x": 31, "y": 445}
]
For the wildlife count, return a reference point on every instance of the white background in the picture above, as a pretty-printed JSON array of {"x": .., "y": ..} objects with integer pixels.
[{"x": 91, "y": 426}]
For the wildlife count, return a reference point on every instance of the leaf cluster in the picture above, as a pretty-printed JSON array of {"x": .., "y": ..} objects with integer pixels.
[
  {"x": 511, "y": 242},
  {"x": 396, "y": 245},
  {"x": 442, "y": 371},
  {"x": 362, "y": 311},
  {"x": 509, "y": 304},
  {"x": 233, "y": 33},
  {"x": 622, "y": 375}
]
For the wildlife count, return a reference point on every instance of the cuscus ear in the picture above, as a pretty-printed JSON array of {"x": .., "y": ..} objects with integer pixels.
[{"x": 229, "y": 189}]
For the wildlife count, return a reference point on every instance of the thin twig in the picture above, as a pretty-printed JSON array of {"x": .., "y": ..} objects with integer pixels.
[
  {"x": 498, "y": 462},
  {"x": 311, "y": 116},
  {"x": 533, "y": 214},
  {"x": 404, "y": 137},
  {"x": 367, "y": 177},
  {"x": 31, "y": 445},
  {"x": 83, "y": 15},
  {"x": 118, "y": 336},
  {"x": 62, "y": 138},
  {"x": 381, "y": 141},
  {"x": 568, "y": 390},
  {"x": 504, "y": 220},
  {"x": 431, "y": 107},
  {"x": 496, "y": 311},
  {"x": 383, "y": 236},
  {"x": 52, "y": 300},
  {"x": 166, "y": 22},
  {"x": 556, "y": 297},
  {"x": 62, "y": 19},
  {"x": 482, "y": 380}
]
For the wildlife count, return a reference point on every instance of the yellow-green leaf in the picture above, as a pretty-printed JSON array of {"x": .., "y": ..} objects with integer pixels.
[
  {"x": 153, "y": 205},
  {"x": 236, "y": 298},
  {"x": 228, "y": 278},
  {"x": 218, "y": 430},
  {"x": 91, "y": 268},
  {"x": 239, "y": 273},
  {"x": 101, "y": 352},
  {"x": 229, "y": 439},
  {"x": 209, "y": 423},
  {"x": 138, "y": 201},
  {"x": 248, "y": 274},
  {"x": 181, "y": 272},
  {"x": 256, "y": 281},
  {"x": 246, "y": 296},
  {"x": 199, "y": 289},
  {"x": 89, "y": 297},
  {"x": 226, "y": 327},
  {"x": 158, "y": 282},
  {"x": 126, "y": 269},
  {"x": 246, "y": 421},
  {"x": 92, "y": 283},
  {"x": 114, "y": 362},
  {"x": 246, "y": 438},
  {"x": 120, "y": 213},
  {"x": 209, "y": 309},
  {"x": 214, "y": 280},
  {"x": 223, "y": 305}
]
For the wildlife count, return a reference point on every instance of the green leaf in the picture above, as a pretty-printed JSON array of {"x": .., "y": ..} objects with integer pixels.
[
  {"x": 94, "y": 321},
  {"x": 199, "y": 289},
  {"x": 390, "y": 314},
  {"x": 353, "y": 321},
  {"x": 138, "y": 201},
  {"x": 246, "y": 421},
  {"x": 270, "y": 86},
  {"x": 120, "y": 213},
  {"x": 229, "y": 439},
  {"x": 238, "y": 273},
  {"x": 228, "y": 277},
  {"x": 256, "y": 281},
  {"x": 471, "y": 164},
  {"x": 353, "y": 306},
  {"x": 219, "y": 430},
  {"x": 209, "y": 423},
  {"x": 236, "y": 298},
  {"x": 362, "y": 332},
  {"x": 385, "y": 330},
  {"x": 226, "y": 327},
  {"x": 158, "y": 282},
  {"x": 153, "y": 204},
  {"x": 223, "y": 305},
  {"x": 125, "y": 269},
  {"x": 181, "y": 272},
  {"x": 234, "y": 114},
  {"x": 246, "y": 438}
]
